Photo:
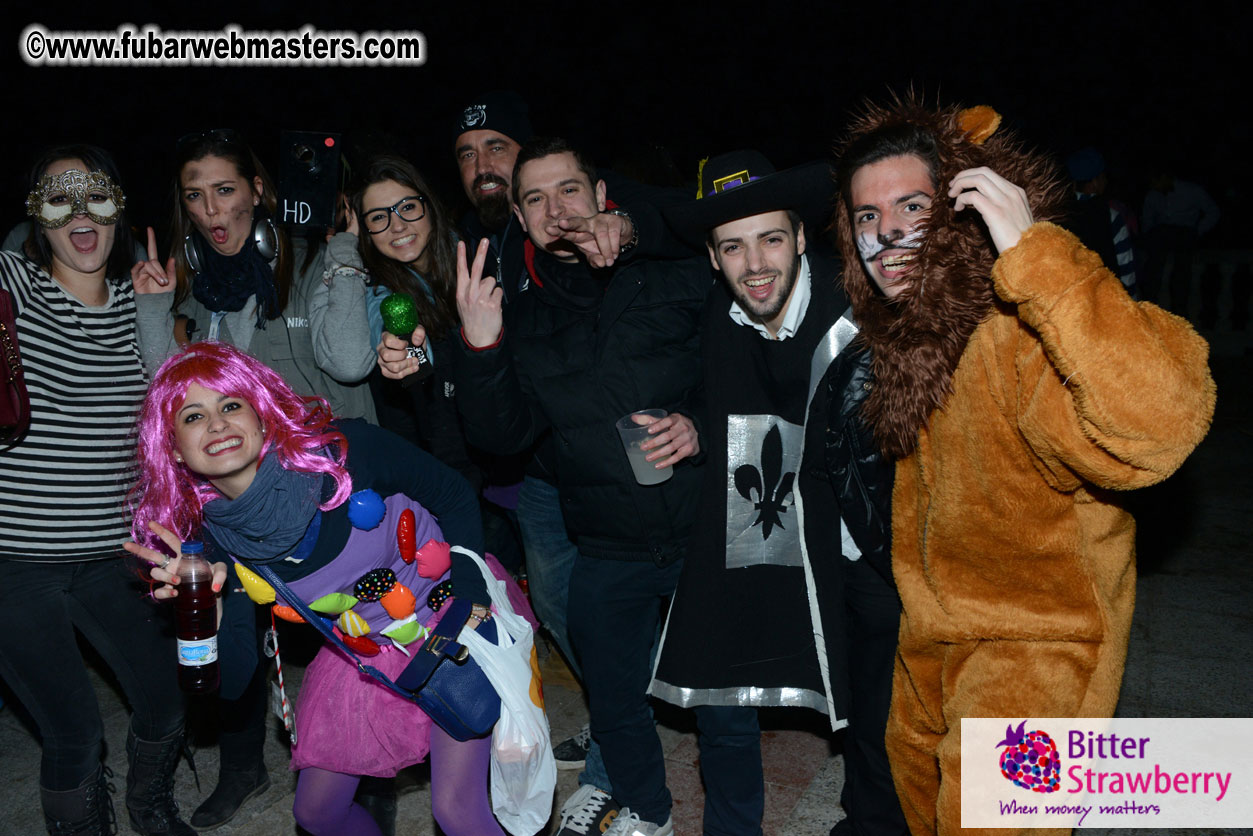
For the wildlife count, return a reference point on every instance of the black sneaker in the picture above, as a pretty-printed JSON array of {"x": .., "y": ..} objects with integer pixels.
[
  {"x": 588, "y": 812},
  {"x": 571, "y": 753}
]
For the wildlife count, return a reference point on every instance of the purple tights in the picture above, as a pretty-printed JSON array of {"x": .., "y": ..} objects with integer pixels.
[{"x": 459, "y": 799}]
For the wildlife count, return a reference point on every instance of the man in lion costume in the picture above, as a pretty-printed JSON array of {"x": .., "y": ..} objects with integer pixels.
[{"x": 1017, "y": 385}]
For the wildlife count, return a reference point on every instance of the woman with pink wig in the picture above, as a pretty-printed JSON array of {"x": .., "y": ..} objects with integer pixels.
[{"x": 229, "y": 454}]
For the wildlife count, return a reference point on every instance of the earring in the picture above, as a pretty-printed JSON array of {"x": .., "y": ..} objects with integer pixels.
[{"x": 178, "y": 458}]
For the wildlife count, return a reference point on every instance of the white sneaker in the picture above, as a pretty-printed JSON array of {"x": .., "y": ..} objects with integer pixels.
[
  {"x": 629, "y": 824},
  {"x": 588, "y": 811}
]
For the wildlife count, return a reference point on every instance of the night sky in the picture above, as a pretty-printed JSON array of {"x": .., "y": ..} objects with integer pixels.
[{"x": 698, "y": 79}]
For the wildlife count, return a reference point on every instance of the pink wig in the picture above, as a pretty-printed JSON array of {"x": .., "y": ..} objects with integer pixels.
[{"x": 296, "y": 428}]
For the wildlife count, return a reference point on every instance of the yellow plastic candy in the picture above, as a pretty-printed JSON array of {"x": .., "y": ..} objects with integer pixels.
[
  {"x": 351, "y": 624},
  {"x": 258, "y": 590}
]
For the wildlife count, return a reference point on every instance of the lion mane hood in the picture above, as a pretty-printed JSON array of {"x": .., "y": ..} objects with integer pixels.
[{"x": 918, "y": 338}]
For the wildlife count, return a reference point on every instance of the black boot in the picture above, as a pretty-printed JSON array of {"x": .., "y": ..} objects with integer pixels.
[
  {"x": 241, "y": 749},
  {"x": 378, "y": 797},
  {"x": 150, "y": 786},
  {"x": 241, "y": 776},
  {"x": 85, "y": 811}
]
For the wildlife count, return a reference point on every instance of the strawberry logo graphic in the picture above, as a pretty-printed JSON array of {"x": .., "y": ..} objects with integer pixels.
[{"x": 1030, "y": 759}]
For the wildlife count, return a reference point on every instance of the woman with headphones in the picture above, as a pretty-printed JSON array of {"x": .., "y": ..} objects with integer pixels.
[{"x": 239, "y": 279}]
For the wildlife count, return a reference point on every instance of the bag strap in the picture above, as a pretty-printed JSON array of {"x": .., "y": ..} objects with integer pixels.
[{"x": 441, "y": 643}]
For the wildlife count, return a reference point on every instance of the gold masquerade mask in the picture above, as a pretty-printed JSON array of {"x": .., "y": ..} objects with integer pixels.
[{"x": 59, "y": 197}]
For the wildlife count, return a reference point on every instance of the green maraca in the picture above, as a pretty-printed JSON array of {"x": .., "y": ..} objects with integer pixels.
[{"x": 400, "y": 317}]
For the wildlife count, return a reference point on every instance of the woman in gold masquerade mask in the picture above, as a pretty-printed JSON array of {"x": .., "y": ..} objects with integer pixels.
[{"x": 62, "y": 501}]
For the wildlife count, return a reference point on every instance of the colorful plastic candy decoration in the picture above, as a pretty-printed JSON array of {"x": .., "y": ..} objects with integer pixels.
[
  {"x": 366, "y": 510},
  {"x": 258, "y": 590},
  {"x": 407, "y": 536},
  {"x": 374, "y": 584},
  {"x": 333, "y": 604},
  {"x": 438, "y": 596},
  {"x": 351, "y": 624},
  {"x": 406, "y": 630},
  {"x": 434, "y": 559},
  {"x": 361, "y": 646},
  {"x": 399, "y": 601},
  {"x": 288, "y": 614}
]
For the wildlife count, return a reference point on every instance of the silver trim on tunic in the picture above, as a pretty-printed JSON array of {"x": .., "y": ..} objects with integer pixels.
[{"x": 747, "y": 696}]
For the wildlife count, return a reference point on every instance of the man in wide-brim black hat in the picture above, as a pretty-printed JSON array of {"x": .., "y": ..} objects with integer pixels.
[{"x": 786, "y": 596}]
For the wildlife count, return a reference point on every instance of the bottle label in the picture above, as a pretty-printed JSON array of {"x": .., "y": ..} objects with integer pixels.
[{"x": 196, "y": 652}]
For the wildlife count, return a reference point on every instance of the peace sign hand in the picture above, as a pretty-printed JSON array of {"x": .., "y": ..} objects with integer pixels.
[{"x": 479, "y": 299}]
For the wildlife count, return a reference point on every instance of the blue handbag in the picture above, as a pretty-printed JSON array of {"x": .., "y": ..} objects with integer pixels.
[{"x": 441, "y": 677}]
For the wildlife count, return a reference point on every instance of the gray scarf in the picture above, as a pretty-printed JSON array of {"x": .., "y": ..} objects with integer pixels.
[{"x": 268, "y": 520}]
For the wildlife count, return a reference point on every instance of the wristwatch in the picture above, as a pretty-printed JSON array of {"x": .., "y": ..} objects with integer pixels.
[{"x": 635, "y": 230}]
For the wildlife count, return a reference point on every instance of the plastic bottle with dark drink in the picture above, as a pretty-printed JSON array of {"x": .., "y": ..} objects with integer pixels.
[{"x": 197, "y": 622}]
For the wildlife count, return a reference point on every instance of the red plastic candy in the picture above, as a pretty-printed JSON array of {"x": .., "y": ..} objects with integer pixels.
[
  {"x": 407, "y": 536},
  {"x": 361, "y": 645}
]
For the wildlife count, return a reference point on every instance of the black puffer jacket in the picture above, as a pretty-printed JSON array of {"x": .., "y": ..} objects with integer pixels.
[
  {"x": 581, "y": 349},
  {"x": 860, "y": 475}
]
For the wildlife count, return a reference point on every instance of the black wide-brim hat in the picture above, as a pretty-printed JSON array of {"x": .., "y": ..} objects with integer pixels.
[{"x": 744, "y": 183}]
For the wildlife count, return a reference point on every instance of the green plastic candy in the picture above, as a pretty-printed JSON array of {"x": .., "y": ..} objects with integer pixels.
[
  {"x": 333, "y": 604},
  {"x": 406, "y": 631},
  {"x": 400, "y": 314}
]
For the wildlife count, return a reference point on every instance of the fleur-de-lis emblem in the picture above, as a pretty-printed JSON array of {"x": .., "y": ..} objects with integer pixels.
[{"x": 770, "y": 506}]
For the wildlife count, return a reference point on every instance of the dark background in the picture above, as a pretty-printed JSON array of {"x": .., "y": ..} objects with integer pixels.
[{"x": 1146, "y": 88}]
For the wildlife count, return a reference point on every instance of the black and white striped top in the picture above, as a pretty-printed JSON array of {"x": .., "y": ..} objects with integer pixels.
[{"x": 63, "y": 486}]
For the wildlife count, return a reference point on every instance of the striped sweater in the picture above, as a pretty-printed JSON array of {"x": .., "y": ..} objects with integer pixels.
[{"x": 63, "y": 486}]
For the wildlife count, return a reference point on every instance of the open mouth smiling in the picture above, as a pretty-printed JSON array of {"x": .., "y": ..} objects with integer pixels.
[
  {"x": 897, "y": 262},
  {"x": 222, "y": 446}
]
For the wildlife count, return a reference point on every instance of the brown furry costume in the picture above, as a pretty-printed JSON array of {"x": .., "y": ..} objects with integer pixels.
[{"x": 1016, "y": 392}]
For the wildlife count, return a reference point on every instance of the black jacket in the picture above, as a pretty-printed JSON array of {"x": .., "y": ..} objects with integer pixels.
[
  {"x": 860, "y": 475},
  {"x": 582, "y": 349}
]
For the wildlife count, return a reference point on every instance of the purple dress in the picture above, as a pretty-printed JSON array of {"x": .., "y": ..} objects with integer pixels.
[{"x": 345, "y": 721}]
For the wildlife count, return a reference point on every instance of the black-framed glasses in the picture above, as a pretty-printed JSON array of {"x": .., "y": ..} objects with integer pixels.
[{"x": 408, "y": 209}]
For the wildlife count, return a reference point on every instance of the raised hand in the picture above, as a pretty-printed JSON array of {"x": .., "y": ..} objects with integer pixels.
[
  {"x": 148, "y": 276},
  {"x": 478, "y": 299},
  {"x": 1004, "y": 206},
  {"x": 165, "y": 568},
  {"x": 351, "y": 216},
  {"x": 674, "y": 438},
  {"x": 599, "y": 238}
]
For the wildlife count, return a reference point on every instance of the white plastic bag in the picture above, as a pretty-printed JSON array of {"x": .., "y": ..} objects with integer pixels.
[{"x": 523, "y": 771}]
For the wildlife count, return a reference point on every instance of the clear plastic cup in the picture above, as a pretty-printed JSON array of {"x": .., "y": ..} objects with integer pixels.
[{"x": 634, "y": 434}]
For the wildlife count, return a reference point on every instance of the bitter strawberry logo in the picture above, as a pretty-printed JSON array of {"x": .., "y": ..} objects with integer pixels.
[{"x": 1030, "y": 759}]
